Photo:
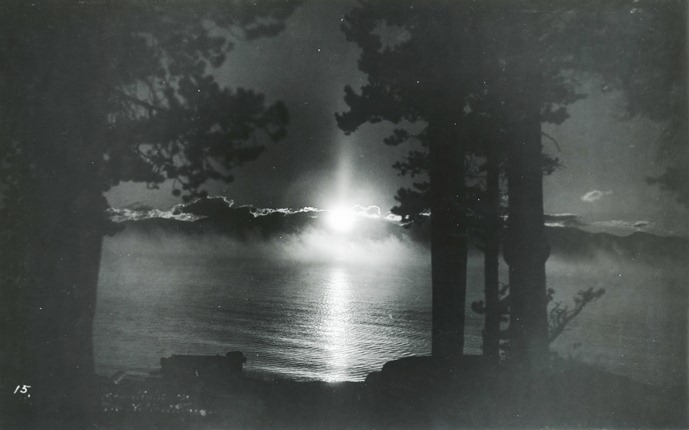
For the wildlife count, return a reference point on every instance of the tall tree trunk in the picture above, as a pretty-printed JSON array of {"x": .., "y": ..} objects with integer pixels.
[
  {"x": 526, "y": 247},
  {"x": 491, "y": 265},
  {"x": 448, "y": 239}
]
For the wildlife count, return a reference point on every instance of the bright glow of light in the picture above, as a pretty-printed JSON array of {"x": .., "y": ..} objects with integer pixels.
[{"x": 340, "y": 220}]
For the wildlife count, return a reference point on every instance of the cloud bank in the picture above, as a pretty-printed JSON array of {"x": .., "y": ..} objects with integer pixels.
[
  {"x": 221, "y": 207},
  {"x": 218, "y": 215},
  {"x": 595, "y": 195},
  {"x": 562, "y": 220}
]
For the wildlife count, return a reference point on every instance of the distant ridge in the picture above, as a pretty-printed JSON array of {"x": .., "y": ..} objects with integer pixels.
[{"x": 642, "y": 246}]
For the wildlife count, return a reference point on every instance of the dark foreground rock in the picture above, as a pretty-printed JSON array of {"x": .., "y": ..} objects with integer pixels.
[{"x": 412, "y": 393}]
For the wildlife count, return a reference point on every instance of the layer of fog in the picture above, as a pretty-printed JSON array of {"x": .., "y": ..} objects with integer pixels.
[{"x": 314, "y": 245}]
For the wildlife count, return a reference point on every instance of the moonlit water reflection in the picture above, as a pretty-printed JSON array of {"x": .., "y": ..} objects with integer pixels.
[{"x": 335, "y": 323}]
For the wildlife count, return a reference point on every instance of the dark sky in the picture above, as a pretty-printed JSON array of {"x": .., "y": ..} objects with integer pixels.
[{"x": 307, "y": 66}]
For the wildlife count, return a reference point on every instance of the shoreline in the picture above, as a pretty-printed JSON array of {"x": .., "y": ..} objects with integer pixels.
[
  {"x": 411, "y": 395},
  {"x": 254, "y": 373}
]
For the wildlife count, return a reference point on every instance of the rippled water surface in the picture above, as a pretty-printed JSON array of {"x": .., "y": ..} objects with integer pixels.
[
  {"x": 338, "y": 319},
  {"x": 308, "y": 321}
]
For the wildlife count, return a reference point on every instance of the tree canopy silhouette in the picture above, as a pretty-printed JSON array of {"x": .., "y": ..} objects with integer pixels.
[
  {"x": 518, "y": 64},
  {"x": 95, "y": 93},
  {"x": 457, "y": 65},
  {"x": 409, "y": 82}
]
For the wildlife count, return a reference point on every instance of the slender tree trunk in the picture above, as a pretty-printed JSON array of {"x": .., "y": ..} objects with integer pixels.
[
  {"x": 448, "y": 239},
  {"x": 491, "y": 265},
  {"x": 526, "y": 246}
]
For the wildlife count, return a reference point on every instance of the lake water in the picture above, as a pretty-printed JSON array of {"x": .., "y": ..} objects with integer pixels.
[{"x": 337, "y": 318}]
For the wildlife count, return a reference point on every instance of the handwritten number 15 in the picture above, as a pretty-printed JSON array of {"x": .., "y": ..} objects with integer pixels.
[{"x": 23, "y": 389}]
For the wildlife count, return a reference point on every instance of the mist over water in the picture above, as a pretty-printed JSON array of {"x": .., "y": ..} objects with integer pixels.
[
  {"x": 638, "y": 328},
  {"x": 327, "y": 306}
]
